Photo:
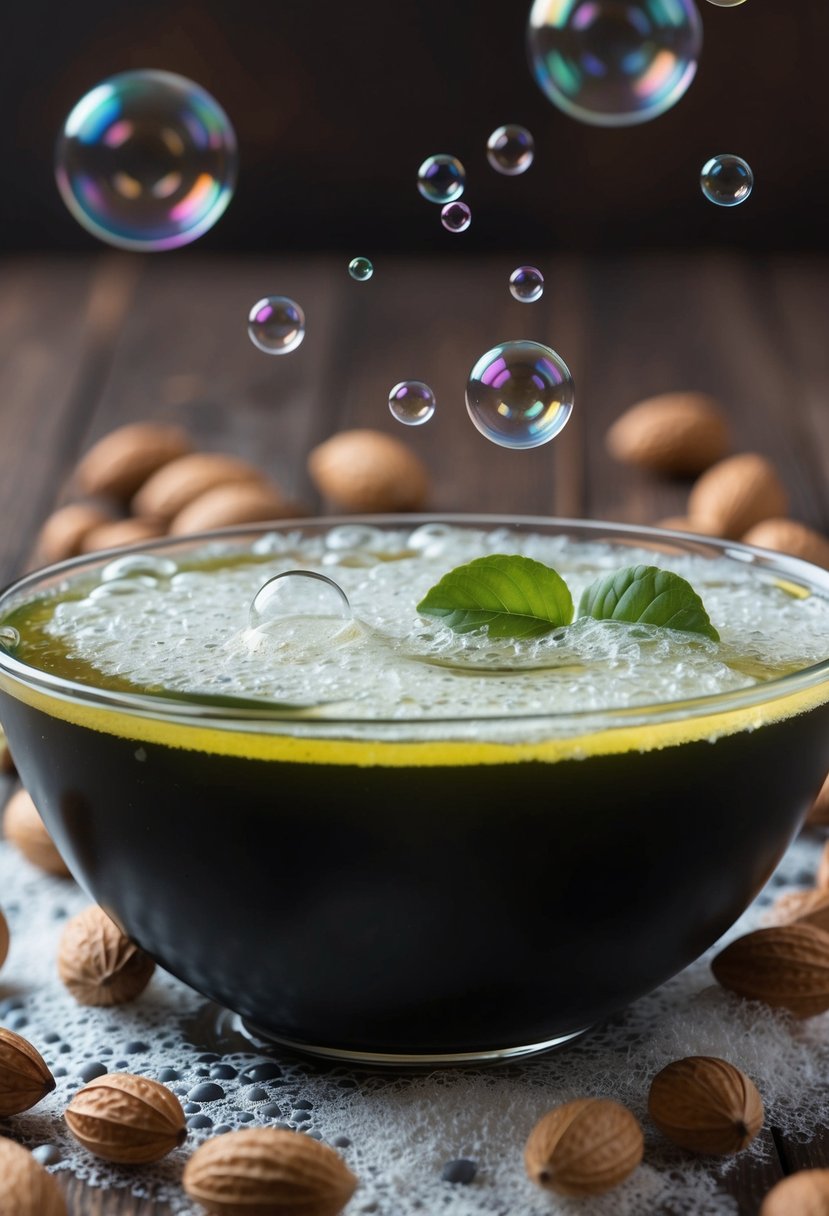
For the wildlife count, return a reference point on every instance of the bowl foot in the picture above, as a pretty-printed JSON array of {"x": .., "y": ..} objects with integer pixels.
[{"x": 227, "y": 1031}]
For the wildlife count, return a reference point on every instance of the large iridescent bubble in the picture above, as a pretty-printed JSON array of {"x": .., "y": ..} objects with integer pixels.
[
  {"x": 614, "y": 63},
  {"x": 147, "y": 160},
  {"x": 520, "y": 394}
]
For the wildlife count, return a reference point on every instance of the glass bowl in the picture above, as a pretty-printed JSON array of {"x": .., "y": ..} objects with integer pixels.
[{"x": 410, "y": 891}]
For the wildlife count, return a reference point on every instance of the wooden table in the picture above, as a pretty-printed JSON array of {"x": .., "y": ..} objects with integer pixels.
[{"x": 88, "y": 344}]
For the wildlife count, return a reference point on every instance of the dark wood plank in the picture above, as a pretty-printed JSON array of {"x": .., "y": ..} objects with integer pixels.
[{"x": 58, "y": 319}]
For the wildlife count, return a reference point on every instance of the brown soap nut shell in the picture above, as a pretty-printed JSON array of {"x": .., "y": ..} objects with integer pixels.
[
  {"x": 788, "y": 536},
  {"x": 803, "y": 1194},
  {"x": 4, "y": 938},
  {"x": 122, "y": 461},
  {"x": 24, "y": 1077},
  {"x": 584, "y": 1147},
  {"x": 241, "y": 502},
  {"x": 738, "y": 493},
  {"x": 27, "y": 1188},
  {"x": 818, "y": 815},
  {"x": 122, "y": 532},
  {"x": 684, "y": 523},
  {"x": 7, "y": 765},
  {"x": 804, "y": 907},
  {"x": 24, "y": 828},
  {"x": 706, "y": 1105},
  {"x": 98, "y": 963},
  {"x": 181, "y": 481},
  {"x": 268, "y": 1172},
  {"x": 365, "y": 470},
  {"x": 126, "y": 1119},
  {"x": 64, "y": 532},
  {"x": 676, "y": 433},
  {"x": 786, "y": 967},
  {"x": 822, "y": 879}
]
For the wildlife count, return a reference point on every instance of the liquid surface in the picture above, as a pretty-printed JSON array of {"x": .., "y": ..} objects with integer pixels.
[{"x": 149, "y": 625}]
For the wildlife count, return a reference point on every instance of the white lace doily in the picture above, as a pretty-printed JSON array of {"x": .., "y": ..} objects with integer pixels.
[{"x": 399, "y": 1132}]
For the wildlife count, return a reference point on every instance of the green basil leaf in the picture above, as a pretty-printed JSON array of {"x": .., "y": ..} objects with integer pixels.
[
  {"x": 514, "y": 596},
  {"x": 650, "y": 596}
]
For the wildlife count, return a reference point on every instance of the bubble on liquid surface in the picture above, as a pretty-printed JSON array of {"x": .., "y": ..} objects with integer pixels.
[
  {"x": 526, "y": 284},
  {"x": 276, "y": 325},
  {"x": 726, "y": 3},
  {"x": 298, "y": 593},
  {"x": 441, "y": 178},
  {"x": 614, "y": 63},
  {"x": 9, "y": 637},
  {"x": 726, "y": 180},
  {"x": 456, "y": 217},
  {"x": 520, "y": 394},
  {"x": 412, "y": 402},
  {"x": 147, "y": 160},
  {"x": 134, "y": 565},
  {"x": 510, "y": 150},
  {"x": 360, "y": 269}
]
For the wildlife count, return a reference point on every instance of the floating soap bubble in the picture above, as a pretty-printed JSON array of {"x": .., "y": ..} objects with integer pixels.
[
  {"x": 360, "y": 269},
  {"x": 412, "y": 402},
  {"x": 354, "y": 536},
  {"x": 276, "y": 325},
  {"x": 510, "y": 150},
  {"x": 134, "y": 565},
  {"x": 726, "y": 180},
  {"x": 526, "y": 284},
  {"x": 9, "y": 637},
  {"x": 298, "y": 593},
  {"x": 614, "y": 62},
  {"x": 520, "y": 394},
  {"x": 456, "y": 217},
  {"x": 441, "y": 178},
  {"x": 147, "y": 160},
  {"x": 726, "y": 3},
  {"x": 124, "y": 586}
]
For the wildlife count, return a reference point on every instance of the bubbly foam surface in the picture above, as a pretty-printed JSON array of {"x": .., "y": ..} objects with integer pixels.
[{"x": 188, "y": 630}]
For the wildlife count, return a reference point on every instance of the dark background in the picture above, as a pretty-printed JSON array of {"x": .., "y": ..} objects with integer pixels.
[{"x": 335, "y": 105}]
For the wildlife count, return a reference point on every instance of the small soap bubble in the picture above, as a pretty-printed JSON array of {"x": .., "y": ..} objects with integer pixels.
[
  {"x": 726, "y": 3},
  {"x": 520, "y": 394},
  {"x": 726, "y": 180},
  {"x": 147, "y": 160},
  {"x": 353, "y": 536},
  {"x": 456, "y": 217},
  {"x": 360, "y": 269},
  {"x": 124, "y": 586},
  {"x": 134, "y": 565},
  {"x": 526, "y": 284},
  {"x": 510, "y": 150},
  {"x": 9, "y": 637},
  {"x": 298, "y": 593},
  {"x": 412, "y": 402},
  {"x": 441, "y": 178},
  {"x": 612, "y": 63},
  {"x": 276, "y": 325}
]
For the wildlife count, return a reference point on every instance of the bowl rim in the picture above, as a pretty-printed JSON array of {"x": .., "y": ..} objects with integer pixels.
[{"x": 246, "y": 714}]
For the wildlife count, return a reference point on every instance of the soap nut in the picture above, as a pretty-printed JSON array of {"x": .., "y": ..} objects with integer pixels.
[
  {"x": 675, "y": 433},
  {"x": 122, "y": 461},
  {"x": 584, "y": 1147},
  {"x": 738, "y": 493},
  {"x": 98, "y": 963},
  {"x": 24, "y": 1076},
  {"x": 268, "y": 1171},
  {"x": 24, "y": 828},
  {"x": 365, "y": 470},
  {"x": 705, "y": 1105},
  {"x": 786, "y": 967},
  {"x": 28, "y": 1189},
  {"x": 126, "y": 1119}
]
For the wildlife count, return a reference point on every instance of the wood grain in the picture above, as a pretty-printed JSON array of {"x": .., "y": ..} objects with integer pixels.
[{"x": 90, "y": 344}]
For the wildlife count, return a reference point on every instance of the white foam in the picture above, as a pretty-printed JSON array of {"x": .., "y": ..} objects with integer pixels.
[{"x": 189, "y": 632}]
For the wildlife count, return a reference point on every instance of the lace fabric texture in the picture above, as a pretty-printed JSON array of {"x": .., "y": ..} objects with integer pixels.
[{"x": 397, "y": 1132}]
